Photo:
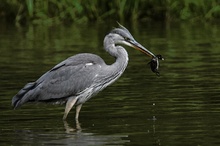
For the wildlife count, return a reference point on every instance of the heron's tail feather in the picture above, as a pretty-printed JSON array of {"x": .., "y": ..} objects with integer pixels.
[{"x": 17, "y": 100}]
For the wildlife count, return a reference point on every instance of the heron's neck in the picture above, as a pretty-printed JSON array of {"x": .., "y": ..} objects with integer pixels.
[{"x": 118, "y": 52}]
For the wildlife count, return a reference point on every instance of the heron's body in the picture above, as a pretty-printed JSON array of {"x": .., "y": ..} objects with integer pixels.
[{"x": 78, "y": 78}]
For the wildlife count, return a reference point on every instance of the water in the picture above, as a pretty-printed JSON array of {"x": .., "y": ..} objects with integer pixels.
[{"x": 181, "y": 107}]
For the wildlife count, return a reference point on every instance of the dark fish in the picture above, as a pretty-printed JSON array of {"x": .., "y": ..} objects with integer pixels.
[{"x": 154, "y": 64}]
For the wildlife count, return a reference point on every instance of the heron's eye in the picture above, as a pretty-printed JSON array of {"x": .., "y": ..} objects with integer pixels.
[{"x": 127, "y": 39}]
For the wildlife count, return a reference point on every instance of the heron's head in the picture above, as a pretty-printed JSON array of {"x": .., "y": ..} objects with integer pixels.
[{"x": 121, "y": 36}]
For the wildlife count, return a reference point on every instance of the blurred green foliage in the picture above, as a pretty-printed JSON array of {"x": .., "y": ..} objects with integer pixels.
[{"x": 80, "y": 11}]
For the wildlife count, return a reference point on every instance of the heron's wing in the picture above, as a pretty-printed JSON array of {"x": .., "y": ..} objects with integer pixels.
[{"x": 66, "y": 79}]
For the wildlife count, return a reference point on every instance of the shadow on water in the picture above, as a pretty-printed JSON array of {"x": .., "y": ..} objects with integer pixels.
[{"x": 181, "y": 107}]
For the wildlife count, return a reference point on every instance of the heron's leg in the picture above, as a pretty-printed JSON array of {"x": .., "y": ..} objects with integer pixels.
[
  {"x": 78, "y": 108},
  {"x": 70, "y": 103}
]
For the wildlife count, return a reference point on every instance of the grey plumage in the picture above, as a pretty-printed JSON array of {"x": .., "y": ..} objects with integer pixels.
[
  {"x": 78, "y": 78},
  {"x": 66, "y": 79}
]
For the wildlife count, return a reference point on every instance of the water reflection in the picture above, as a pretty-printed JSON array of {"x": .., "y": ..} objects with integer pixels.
[
  {"x": 77, "y": 136},
  {"x": 46, "y": 135},
  {"x": 70, "y": 129}
]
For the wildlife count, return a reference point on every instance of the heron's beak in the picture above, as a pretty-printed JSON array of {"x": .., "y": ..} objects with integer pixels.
[{"x": 141, "y": 48}]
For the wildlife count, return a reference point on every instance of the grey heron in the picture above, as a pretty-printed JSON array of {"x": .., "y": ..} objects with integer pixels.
[{"x": 78, "y": 78}]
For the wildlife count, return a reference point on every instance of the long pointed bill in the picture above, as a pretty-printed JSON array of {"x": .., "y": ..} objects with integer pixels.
[
  {"x": 139, "y": 47},
  {"x": 154, "y": 63}
]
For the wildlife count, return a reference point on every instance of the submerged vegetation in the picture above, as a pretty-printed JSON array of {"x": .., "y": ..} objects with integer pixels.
[{"x": 80, "y": 11}]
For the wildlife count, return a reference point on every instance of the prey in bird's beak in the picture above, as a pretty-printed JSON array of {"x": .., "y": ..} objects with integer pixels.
[{"x": 154, "y": 63}]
